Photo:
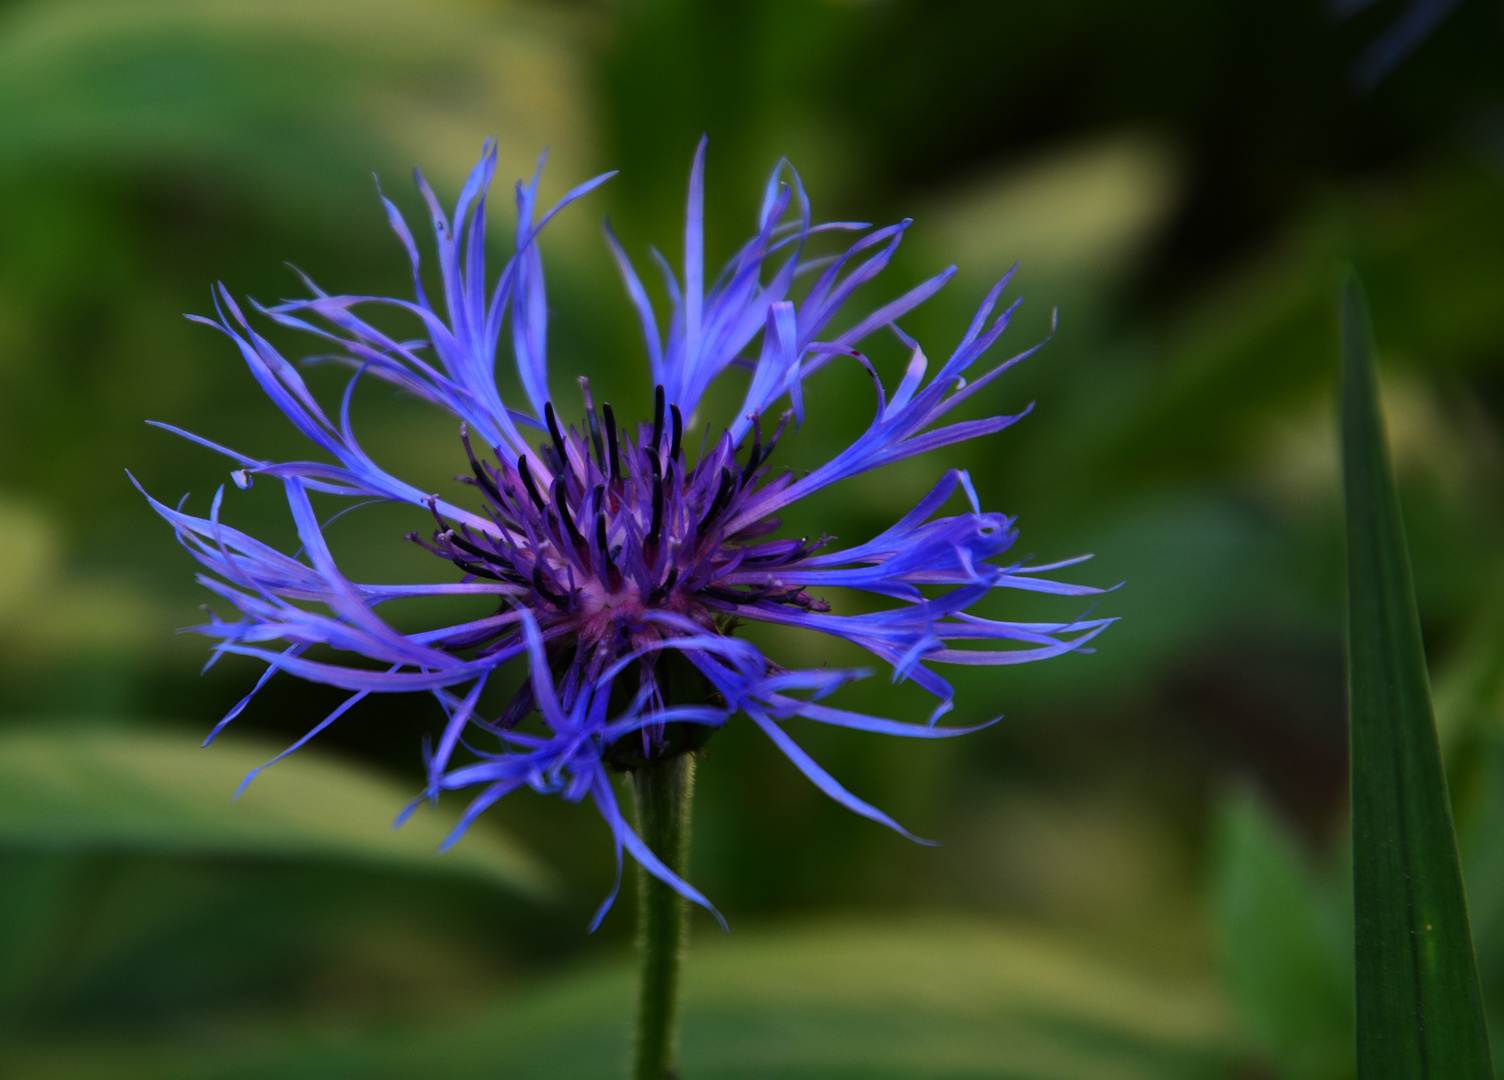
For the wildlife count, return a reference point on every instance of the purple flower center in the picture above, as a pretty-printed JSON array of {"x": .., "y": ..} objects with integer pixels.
[{"x": 603, "y": 529}]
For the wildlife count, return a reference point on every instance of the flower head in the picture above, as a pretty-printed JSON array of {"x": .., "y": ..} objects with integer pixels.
[{"x": 613, "y": 553}]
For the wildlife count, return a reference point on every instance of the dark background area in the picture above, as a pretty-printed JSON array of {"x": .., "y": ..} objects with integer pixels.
[{"x": 1182, "y": 182}]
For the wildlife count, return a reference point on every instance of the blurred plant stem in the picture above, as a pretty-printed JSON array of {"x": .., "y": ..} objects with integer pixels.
[{"x": 662, "y": 790}]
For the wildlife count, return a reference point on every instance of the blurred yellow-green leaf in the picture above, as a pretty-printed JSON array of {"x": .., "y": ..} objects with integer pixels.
[
  {"x": 291, "y": 94},
  {"x": 83, "y": 788}
]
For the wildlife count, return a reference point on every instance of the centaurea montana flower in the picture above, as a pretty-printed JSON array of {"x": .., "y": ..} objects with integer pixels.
[{"x": 612, "y": 555}]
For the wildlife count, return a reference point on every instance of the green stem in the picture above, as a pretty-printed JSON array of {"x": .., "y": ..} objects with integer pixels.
[{"x": 663, "y": 790}]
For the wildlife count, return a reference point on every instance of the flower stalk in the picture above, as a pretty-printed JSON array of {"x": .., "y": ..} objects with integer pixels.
[{"x": 662, "y": 791}]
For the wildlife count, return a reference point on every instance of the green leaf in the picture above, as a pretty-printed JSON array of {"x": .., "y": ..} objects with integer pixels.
[
  {"x": 1285, "y": 940},
  {"x": 281, "y": 94},
  {"x": 1419, "y": 1006},
  {"x": 67, "y": 788},
  {"x": 1469, "y": 692},
  {"x": 939, "y": 1001},
  {"x": 1483, "y": 861},
  {"x": 34, "y": 896}
]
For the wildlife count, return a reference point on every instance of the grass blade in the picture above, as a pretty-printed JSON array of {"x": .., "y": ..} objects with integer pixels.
[{"x": 1419, "y": 1007}]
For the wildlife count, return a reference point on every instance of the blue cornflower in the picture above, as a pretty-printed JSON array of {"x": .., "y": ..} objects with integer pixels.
[{"x": 611, "y": 553}]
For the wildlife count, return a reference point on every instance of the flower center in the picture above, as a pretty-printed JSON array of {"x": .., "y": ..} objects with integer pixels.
[{"x": 602, "y": 526}]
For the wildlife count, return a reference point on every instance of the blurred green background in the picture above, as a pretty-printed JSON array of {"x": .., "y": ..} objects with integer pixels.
[{"x": 1140, "y": 872}]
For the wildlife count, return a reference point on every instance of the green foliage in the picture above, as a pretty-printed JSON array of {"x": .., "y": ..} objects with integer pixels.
[
  {"x": 940, "y": 1000},
  {"x": 90, "y": 789},
  {"x": 1419, "y": 1006},
  {"x": 1178, "y": 179},
  {"x": 279, "y": 92},
  {"x": 1285, "y": 933},
  {"x": 137, "y": 893}
]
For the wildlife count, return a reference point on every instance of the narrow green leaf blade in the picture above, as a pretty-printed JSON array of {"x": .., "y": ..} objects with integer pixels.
[
  {"x": 71, "y": 788},
  {"x": 1419, "y": 1007}
]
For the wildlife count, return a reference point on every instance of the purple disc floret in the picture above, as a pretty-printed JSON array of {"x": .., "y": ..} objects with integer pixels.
[{"x": 615, "y": 561}]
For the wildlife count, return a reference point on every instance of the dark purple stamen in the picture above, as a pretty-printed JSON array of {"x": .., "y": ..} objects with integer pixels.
[
  {"x": 611, "y": 440},
  {"x": 558, "y": 600},
  {"x": 553, "y": 430},
  {"x": 732, "y": 596},
  {"x": 479, "y": 571},
  {"x": 486, "y": 483},
  {"x": 527, "y": 481},
  {"x": 460, "y": 542},
  {"x": 678, "y": 436},
  {"x": 657, "y": 507},
  {"x": 561, "y": 504},
  {"x": 600, "y": 535},
  {"x": 594, "y": 423},
  {"x": 719, "y": 503},
  {"x": 658, "y": 592},
  {"x": 482, "y": 473},
  {"x": 753, "y": 454},
  {"x": 613, "y": 575}
]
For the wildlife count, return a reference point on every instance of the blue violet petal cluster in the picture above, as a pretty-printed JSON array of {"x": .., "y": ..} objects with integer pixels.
[{"x": 614, "y": 556}]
